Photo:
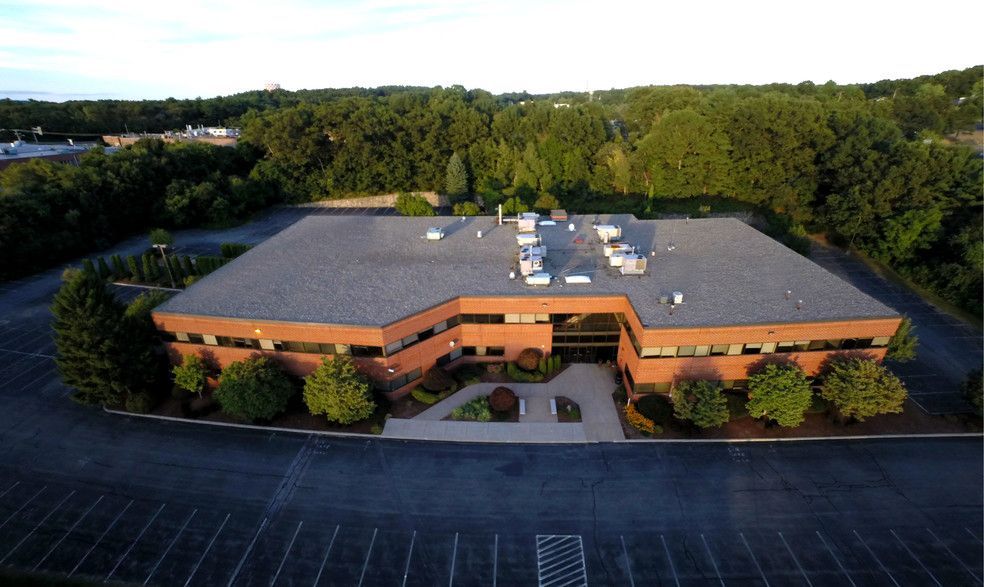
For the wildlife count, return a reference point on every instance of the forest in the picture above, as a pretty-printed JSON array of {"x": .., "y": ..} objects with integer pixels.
[{"x": 878, "y": 167}]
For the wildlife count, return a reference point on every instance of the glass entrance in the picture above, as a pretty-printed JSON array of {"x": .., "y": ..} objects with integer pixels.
[{"x": 586, "y": 338}]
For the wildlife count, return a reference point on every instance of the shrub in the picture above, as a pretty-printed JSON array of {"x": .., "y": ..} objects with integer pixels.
[
  {"x": 476, "y": 410},
  {"x": 514, "y": 205},
  {"x": 640, "y": 422},
  {"x": 436, "y": 379},
  {"x": 542, "y": 367},
  {"x": 973, "y": 390},
  {"x": 191, "y": 374},
  {"x": 779, "y": 392},
  {"x": 119, "y": 271},
  {"x": 87, "y": 267},
  {"x": 187, "y": 266},
  {"x": 556, "y": 363},
  {"x": 529, "y": 359},
  {"x": 159, "y": 236},
  {"x": 466, "y": 209},
  {"x": 149, "y": 268},
  {"x": 103, "y": 268},
  {"x": 134, "y": 266},
  {"x": 140, "y": 402},
  {"x": 656, "y": 407},
  {"x": 502, "y": 399},
  {"x": 413, "y": 205},
  {"x": 190, "y": 280},
  {"x": 233, "y": 250},
  {"x": 902, "y": 345},
  {"x": 253, "y": 389},
  {"x": 520, "y": 376},
  {"x": 424, "y": 397},
  {"x": 337, "y": 390},
  {"x": 700, "y": 402},
  {"x": 861, "y": 388}
]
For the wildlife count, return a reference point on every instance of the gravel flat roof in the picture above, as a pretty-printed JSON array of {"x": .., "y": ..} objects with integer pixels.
[{"x": 370, "y": 270}]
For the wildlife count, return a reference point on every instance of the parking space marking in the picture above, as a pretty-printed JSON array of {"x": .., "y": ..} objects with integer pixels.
[
  {"x": 129, "y": 549},
  {"x": 44, "y": 375},
  {"x": 28, "y": 502},
  {"x": 628, "y": 562},
  {"x": 560, "y": 557},
  {"x": 98, "y": 540},
  {"x": 26, "y": 354},
  {"x": 877, "y": 560},
  {"x": 795, "y": 560},
  {"x": 836, "y": 560},
  {"x": 207, "y": 549},
  {"x": 754, "y": 560},
  {"x": 974, "y": 536},
  {"x": 170, "y": 545},
  {"x": 67, "y": 532},
  {"x": 669, "y": 558},
  {"x": 286, "y": 552},
  {"x": 915, "y": 558},
  {"x": 365, "y": 565},
  {"x": 717, "y": 572},
  {"x": 954, "y": 556},
  {"x": 38, "y": 525},
  {"x": 249, "y": 549},
  {"x": 7, "y": 490},
  {"x": 328, "y": 552},
  {"x": 406, "y": 568},
  {"x": 495, "y": 561}
]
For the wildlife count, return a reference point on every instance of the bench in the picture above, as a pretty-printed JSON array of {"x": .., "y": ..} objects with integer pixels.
[
  {"x": 553, "y": 406},
  {"x": 522, "y": 407}
]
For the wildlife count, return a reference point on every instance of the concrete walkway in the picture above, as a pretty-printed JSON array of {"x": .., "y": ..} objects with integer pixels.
[{"x": 590, "y": 386}]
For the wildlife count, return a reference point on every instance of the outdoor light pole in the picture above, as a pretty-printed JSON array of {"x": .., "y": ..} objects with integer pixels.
[{"x": 166, "y": 266}]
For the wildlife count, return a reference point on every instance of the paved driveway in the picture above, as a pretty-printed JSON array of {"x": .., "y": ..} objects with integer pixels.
[
  {"x": 948, "y": 347},
  {"x": 591, "y": 386}
]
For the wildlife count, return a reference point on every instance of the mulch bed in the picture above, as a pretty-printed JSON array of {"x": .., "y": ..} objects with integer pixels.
[{"x": 565, "y": 415}]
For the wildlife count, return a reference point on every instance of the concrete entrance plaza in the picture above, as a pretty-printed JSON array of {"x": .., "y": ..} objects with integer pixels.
[{"x": 591, "y": 386}]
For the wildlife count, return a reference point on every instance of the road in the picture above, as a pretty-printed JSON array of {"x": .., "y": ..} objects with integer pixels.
[{"x": 103, "y": 497}]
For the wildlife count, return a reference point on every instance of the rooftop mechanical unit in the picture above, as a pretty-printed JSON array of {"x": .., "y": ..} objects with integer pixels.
[
  {"x": 538, "y": 279},
  {"x": 435, "y": 233},
  {"x": 530, "y": 264},
  {"x": 609, "y": 233},
  {"x": 633, "y": 264},
  {"x": 527, "y": 222},
  {"x": 617, "y": 259},
  {"x": 528, "y": 238},
  {"x": 619, "y": 247},
  {"x": 540, "y": 251},
  {"x": 577, "y": 279},
  {"x": 558, "y": 215}
]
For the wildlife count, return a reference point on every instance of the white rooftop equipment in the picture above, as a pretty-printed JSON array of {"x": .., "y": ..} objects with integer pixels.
[
  {"x": 540, "y": 251},
  {"x": 577, "y": 279},
  {"x": 526, "y": 222},
  {"x": 435, "y": 233},
  {"x": 528, "y": 238},
  {"x": 633, "y": 264},
  {"x": 678, "y": 297},
  {"x": 530, "y": 264},
  {"x": 609, "y": 232},
  {"x": 617, "y": 259},
  {"x": 547, "y": 223},
  {"x": 538, "y": 279},
  {"x": 617, "y": 247},
  {"x": 570, "y": 227}
]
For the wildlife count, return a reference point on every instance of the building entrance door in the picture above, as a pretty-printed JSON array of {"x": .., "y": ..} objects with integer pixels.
[{"x": 586, "y": 354}]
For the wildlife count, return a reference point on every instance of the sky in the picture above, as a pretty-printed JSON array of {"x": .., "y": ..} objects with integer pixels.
[{"x": 134, "y": 49}]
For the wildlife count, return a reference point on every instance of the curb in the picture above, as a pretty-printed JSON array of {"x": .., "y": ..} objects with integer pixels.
[{"x": 629, "y": 441}]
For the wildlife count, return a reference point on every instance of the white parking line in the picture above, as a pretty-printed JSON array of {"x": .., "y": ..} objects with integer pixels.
[
  {"x": 955, "y": 557},
  {"x": 132, "y": 544},
  {"x": 836, "y": 560},
  {"x": 98, "y": 540},
  {"x": 974, "y": 536},
  {"x": 628, "y": 561},
  {"x": 325, "y": 559},
  {"x": 36, "y": 379},
  {"x": 11, "y": 351},
  {"x": 365, "y": 565},
  {"x": 669, "y": 558},
  {"x": 38, "y": 525},
  {"x": 67, "y": 532},
  {"x": 795, "y": 560},
  {"x": 286, "y": 552},
  {"x": 915, "y": 558},
  {"x": 242, "y": 559},
  {"x": 205, "y": 552},
  {"x": 560, "y": 557},
  {"x": 754, "y": 560},
  {"x": 495, "y": 561},
  {"x": 170, "y": 546},
  {"x": 7, "y": 490},
  {"x": 717, "y": 572},
  {"x": 406, "y": 568},
  {"x": 18, "y": 510},
  {"x": 454, "y": 557},
  {"x": 877, "y": 560}
]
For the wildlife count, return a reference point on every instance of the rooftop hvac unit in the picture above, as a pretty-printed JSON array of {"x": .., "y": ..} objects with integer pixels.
[
  {"x": 528, "y": 238},
  {"x": 530, "y": 264},
  {"x": 540, "y": 251},
  {"x": 633, "y": 265},
  {"x": 678, "y": 297},
  {"x": 619, "y": 247},
  {"x": 538, "y": 279},
  {"x": 617, "y": 259},
  {"x": 526, "y": 224},
  {"x": 577, "y": 279},
  {"x": 609, "y": 232},
  {"x": 435, "y": 233}
]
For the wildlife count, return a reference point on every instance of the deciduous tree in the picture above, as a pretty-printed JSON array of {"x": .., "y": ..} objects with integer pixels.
[
  {"x": 337, "y": 390},
  {"x": 860, "y": 388},
  {"x": 700, "y": 402},
  {"x": 253, "y": 389},
  {"x": 779, "y": 392}
]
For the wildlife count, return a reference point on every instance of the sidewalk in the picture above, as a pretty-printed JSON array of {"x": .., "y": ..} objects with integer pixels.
[{"x": 590, "y": 386}]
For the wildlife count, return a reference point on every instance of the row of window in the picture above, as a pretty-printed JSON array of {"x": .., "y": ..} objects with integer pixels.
[
  {"x": 321, "y": 348},
  {"x": 409, "y": 341},
  {"x": 399, "y": 381},
  {"x": 665, "y": 387}
]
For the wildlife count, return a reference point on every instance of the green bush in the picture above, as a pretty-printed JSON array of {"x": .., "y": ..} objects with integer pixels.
[
  {"x": 337, "y": 390},
  {"x": 233, "y": 250},
  {"x": 556, "y": 363},
  {"x": 779, "y": 392},
  {"x": 254, "y": 389},
  {"x": 134, "y": 267},
  {"x": 861, "y": 388},
  {"x": 656, "y": 407},
  {"x": 520, "y": 376},
  {"x": 542, "y": 367},
  {"x": 973, "y": 390},
  {"x": 413, "y": 205},
  {"x": 424, "y": 397},
  {"x": 466, "y": 209},
  {"x": 140, "y": 402},
  {"x": 700, "y": 402},
  {"x": 902, "y": 345},
  {"x": 477, "y": 410}
]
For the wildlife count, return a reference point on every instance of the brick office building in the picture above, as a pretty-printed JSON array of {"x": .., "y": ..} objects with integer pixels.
[{"x": 708, "y": 298}]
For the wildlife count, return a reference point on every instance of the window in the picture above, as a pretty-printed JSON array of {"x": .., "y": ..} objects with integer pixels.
[
  {"x": 542, "y": 317},
  {"x": 311, "y": 347},
  {"x": 834, "y": 344},
  {"x": 661, "y": 387},
  {"x": 768, "y": 348},
  {"x": 734, "y": 349},
  {"x": 343, "y": 349},
  {"x": 451, "y": 322},
  {"x": 644, "y": 388},
  {"x": 652, "y": 351},
  {"x": 802, "y": 345},
  {"x": 816, "y": 345},
  {"x": 440, "y": 327},
  {"x": 702, "y": 350},
  {"x": 880, "y": 341},
  {"x": 327, "y": 348},
  {"x": 410, "y": 340},
  {"x": 686, "y": 351},
  {"x": 413, "y": 375},
  {"x": 785, "y": 347},
  {"x": 359, "y": 350},
  {"x": 512, "y": 318},
  {"x": 210, "y": 339},
  {"x": 719, "y": 349},
  {"x": 752, "y": 348},
  {"x": 667, "y": 351},
  {"x": 181, "y": 336},
  {"x": 294, "y": 347},
  {"x": 278, "y": 345},
  {"x": 196, "y": 338},
  {"x": 266, "y": 344},
  {"x": 393, "y": 347},
  {"x": 527, "y": 318}
]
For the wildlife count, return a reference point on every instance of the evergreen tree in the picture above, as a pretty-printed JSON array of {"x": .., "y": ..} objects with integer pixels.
[
  {"x": 456, "y": 178},
  {"x": 104, "y": 272},
  {"x": 187, "y": 266},
  {"x": 700, "y": 402},
  {"x": 254, "y": 389},
  {"x": 134, "y": 266},
  {"x": 149, "y": 268},
  {"x": 119, "y": 271},
  {"x": 87, "y": 267},
  {"x": 902, "y": 345}
]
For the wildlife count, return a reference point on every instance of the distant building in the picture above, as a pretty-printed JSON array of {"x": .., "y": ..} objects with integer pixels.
[
  {"x": 562, "y": 105},
  {"x": 21, "y": 152},
  {"x": 214, "y": 135}
]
